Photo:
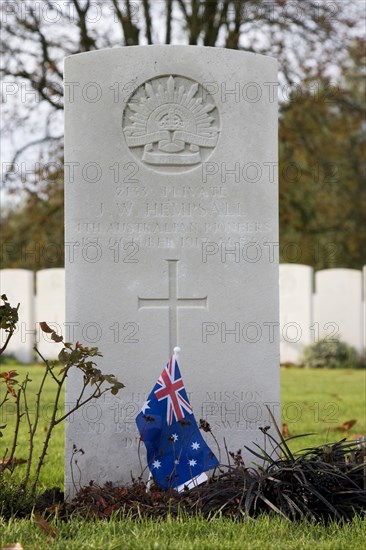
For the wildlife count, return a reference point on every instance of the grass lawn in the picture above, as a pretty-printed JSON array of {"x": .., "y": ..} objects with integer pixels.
[
  {"x": 52, "y": 473},
  {"x": 317, "y": 401},
  {"x": 320, "y": 401},
  {"x": 265, "y": 533}
]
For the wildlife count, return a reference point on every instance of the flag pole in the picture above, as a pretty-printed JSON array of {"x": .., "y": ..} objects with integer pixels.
[
  {"x": 177, "y": 454},
  {"x": 176, "y": 352}
]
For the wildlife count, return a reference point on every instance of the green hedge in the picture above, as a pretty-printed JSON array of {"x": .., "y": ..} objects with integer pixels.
[{"x": 331, "y": 354}]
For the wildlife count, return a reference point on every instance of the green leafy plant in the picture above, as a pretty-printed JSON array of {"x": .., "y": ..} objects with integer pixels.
[
  {"x": 318, "y": 484},
  {"x": 94, "y": 385},
  {"x": 8, "y": 323},
  {"x": 14, "y": 499},
  {"x": 331, "y": 354},
  {"x": 8, "y": 320}
]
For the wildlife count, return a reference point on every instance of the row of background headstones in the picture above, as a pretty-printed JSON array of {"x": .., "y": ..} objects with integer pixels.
[{"x": 311, "y": 308}]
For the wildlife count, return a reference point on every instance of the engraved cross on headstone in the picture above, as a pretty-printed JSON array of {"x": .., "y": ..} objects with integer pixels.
[{"x": 173, "y": 303}]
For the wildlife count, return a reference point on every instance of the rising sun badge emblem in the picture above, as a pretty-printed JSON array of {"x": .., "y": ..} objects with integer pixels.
[{"x": 170, "y": 122}]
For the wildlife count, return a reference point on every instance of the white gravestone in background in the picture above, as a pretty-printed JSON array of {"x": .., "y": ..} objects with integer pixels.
[
  {"x": 50, "y": 307},
  {"x": 18, "y": 285},
  {"x": 338, "y": 306},
  {"x": 296, "y": 298},
  {"x": 171, "y": 239}
]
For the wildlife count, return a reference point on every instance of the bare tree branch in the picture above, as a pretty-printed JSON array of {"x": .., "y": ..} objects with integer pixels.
[
  {"x": 12, "y": 164},
  {"x": 232, "y": 40},
  {"x": 87, "y": 42},
  {"x": 168, "y": 25},
  {"x": 130, "y": 31},
  {"x": 213, "y": 18},
  {"x": 148, "y": 22},
  {"x": 194, "y": 22}
]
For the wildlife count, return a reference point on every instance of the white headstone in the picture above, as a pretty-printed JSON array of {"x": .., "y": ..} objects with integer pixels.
[
  {"x": 18, "y": 285},
  {"x": 296, "y": 298},
  {"x": 171, "y": 231},
  {"x": 338, "y": 306},
  {"x": 50, "y": 307}
]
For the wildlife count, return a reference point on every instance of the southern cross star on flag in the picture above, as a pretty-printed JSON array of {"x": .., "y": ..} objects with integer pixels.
[{"x": 177, "y": 454}]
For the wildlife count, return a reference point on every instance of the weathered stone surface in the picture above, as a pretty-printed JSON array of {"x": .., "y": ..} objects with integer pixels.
[
  {"x": 171, "y": 235},
  {"x": 338, "y": 306},
  {"x": 296, "y": 299},
  {"x": 50, "y": 307},
  {"x": 18, "y": 285}
]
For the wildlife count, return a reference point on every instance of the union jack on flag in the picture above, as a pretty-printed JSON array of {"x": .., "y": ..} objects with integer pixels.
[
  {"x": 177, "y": 454},
  {"x": 170, "y": 387}
]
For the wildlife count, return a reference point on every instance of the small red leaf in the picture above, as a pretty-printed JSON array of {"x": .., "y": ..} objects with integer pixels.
[
  {"x": 44, "y": 525},
  {"x": 103, "y": 502},
  {"x": 285, "y": 431},
  {"x": 348, "y": 425},
  {"x": 45, "y": 327}
]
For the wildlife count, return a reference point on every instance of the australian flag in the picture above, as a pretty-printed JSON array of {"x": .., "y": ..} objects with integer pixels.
[{"x": 177, "y": 454}]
